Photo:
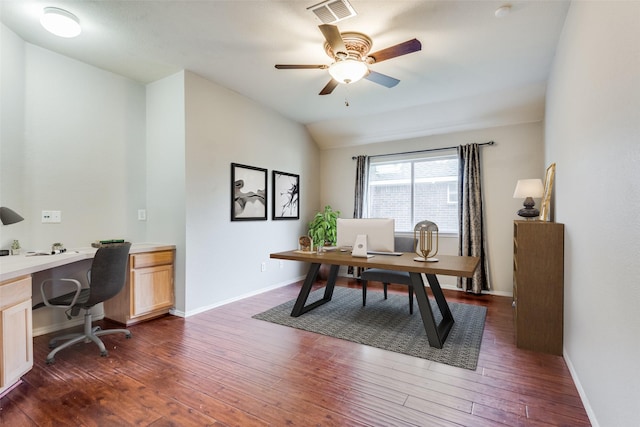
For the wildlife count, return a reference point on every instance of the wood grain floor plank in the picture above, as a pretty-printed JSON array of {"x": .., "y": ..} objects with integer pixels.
[{"x": 223, "y": 368}]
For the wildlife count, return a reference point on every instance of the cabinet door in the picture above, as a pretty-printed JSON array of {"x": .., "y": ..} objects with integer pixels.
[
  {"x": 16, "y": 342},
  {"x": 152, "y": 289}
]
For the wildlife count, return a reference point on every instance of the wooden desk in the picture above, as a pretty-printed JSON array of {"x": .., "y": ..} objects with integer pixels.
[
  {"x": 447, "y": 265},
  {"x": 16, "y": 326}
]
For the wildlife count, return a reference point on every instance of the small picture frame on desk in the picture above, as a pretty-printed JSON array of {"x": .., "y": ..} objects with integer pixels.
[{"x": 305, "y": 244}]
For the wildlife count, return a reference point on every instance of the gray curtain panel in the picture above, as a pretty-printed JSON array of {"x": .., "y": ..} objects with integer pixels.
[
  {"x": 471, "y": 217},
  {"x": 359, "y": 202},
  {"x": 362, "y": 176}
]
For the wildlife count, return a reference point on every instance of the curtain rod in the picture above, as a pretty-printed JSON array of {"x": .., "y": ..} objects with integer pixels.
[{"x": 421, "y": 151}]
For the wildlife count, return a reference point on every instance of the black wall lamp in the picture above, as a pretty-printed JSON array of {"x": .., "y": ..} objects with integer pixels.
[{"x": 8, "y": 216}]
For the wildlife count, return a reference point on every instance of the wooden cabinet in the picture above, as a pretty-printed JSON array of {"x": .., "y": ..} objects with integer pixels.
[
  {"x": 538, "y": 285},
  {"x": 148, "y": 292},
  {"x": 16, "y": 337}
]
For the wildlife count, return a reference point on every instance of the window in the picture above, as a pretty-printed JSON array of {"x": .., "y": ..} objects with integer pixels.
[{"x": 415, "y": 189}]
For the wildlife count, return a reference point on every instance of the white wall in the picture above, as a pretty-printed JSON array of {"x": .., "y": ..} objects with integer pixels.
[
  {"x": 84, "y": 149},
  {"x": 517, "y": 154},
  {"x": 73, "y": 140},
  {"x": 165, "y": 180},
  {"x": 592, "y": 130},
  {"x": 12, "y": 147},
  {"x": 224, "y": 257},
  {"x": 98, "y": 147}
]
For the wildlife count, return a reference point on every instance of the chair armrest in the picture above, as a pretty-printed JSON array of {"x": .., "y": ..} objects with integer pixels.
[{"x": 46, "y": 300}]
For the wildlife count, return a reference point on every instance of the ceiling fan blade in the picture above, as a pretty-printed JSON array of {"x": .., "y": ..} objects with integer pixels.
[
  {"x": 300, "y": 67},
  {"x": 333, "y": 37},
  {"x": 409, "y": 46},
  {"x": 329, "y": 87},
  {"x": 381, "y": 79}
]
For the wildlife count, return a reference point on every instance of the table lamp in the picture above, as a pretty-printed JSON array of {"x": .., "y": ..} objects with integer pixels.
[
  {"x": 423, "y": 234},
  {"x": 8, "y": 216},
  {"x": 527, "y": 189}
]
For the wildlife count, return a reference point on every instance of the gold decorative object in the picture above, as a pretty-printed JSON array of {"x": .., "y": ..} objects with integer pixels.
[
  {"x": 305, "y": 243},
  {"x": 423, "y": 234},
  {"x": 545, "y": 208}
]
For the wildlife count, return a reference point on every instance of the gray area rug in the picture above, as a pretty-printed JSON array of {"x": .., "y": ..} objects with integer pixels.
[{"x": 387, "y": 324}]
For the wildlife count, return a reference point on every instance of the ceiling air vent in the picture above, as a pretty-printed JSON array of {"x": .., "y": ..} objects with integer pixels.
[{"x": 332, "y": 11}]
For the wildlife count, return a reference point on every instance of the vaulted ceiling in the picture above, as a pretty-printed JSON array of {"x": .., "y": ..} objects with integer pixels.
[{"x": 474, "y": 70}]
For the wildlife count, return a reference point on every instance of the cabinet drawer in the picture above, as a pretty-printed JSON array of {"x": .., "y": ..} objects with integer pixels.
[
  {"x": 15, "y": 291},
  {"x": 150, "y": 259}
]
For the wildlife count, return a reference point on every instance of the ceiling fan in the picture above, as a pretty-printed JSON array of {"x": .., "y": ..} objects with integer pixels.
[{"x": 350, "y": 53}]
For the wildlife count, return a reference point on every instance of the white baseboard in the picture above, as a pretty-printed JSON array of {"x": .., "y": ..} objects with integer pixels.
[
  {"x": 238, "y": 298},
  {"x": 581, "y": 392}
]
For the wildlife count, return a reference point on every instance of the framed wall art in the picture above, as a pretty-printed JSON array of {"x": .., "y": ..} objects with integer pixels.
[
  {"x": 545, "y": 209},
  {"x": 248, "y": 193},
  {"x": 286, "y": 196}
]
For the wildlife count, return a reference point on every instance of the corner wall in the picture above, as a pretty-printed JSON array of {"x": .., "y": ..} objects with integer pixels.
[
  {"x": 592, "y": 129},
  {"x": 223, "y": 257},
  {"x": 73, "y": 140}
]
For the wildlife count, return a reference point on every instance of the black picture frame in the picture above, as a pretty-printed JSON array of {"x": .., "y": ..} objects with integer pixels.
[
  {"x": 248, "y": 193},
  {"x": 285, "y": 202}
]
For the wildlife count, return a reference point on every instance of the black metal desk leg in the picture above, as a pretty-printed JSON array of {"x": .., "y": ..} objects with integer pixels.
[
  {"x": 331, "y": 282},
  {"x": 434, "y": 284},
  {"x": 299, "y": 307},
  {"x": 436, "y": 334},
  {"x": 426, "y": 313}
]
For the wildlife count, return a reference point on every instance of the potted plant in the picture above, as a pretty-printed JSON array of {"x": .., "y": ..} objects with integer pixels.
[
  {"x": 323, "y": 229},
  {"x": 15, "y": 247}
]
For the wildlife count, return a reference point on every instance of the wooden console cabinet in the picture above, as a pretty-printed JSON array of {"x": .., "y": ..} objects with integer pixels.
[
  {"x": 16, "y": 337},
  {"x": 538, "y": 285},
  {"x": 148, "y": 292}
]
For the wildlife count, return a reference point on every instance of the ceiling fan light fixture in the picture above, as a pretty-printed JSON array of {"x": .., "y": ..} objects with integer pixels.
[
  {"x": 60, "y": 22},
  {"x": 348, "y": 71}
]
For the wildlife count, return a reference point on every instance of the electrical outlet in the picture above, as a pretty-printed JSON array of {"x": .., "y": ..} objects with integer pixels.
[
  {"x": 263, "y": 267},
  {"x": 142, "y": 214},
  {"x": 281, "y": 264},
  {"x": 51, "y": 217}
]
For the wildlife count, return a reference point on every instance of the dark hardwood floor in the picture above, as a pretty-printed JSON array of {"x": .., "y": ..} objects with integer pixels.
[{"x": 223, "y": 368}]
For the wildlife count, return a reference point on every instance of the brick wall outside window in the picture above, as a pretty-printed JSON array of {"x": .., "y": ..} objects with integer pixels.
[{"x": 434, "y": 197}]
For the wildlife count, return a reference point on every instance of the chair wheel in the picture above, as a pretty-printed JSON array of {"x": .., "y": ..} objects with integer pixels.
[
  {"x": 128, "y": 336},
  {"x": 51, "y": 361},
  {"x": 104, "y": 353}
]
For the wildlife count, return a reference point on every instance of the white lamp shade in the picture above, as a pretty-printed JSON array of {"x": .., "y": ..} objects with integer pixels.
[
  {"x": 60, "y": 22},
  {"x": 348, "y": 70},
  {"x": 528, "y": 188}
]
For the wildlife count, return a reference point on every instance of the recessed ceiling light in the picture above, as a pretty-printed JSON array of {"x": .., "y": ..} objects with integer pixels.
[
  {"x": 60, "y": 22},
  {"x": 503, "y": 11}
]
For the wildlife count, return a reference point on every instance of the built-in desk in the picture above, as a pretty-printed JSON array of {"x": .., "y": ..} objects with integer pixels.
[{"x": 147, "y": 293}]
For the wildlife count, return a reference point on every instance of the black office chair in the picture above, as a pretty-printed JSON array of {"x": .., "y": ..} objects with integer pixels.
[
  {"x": 401, "y": 244},
  {"x": 106, "y": 279}
]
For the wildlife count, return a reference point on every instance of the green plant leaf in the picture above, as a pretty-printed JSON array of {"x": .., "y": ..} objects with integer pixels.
[{"x": 323, "y": 227}]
